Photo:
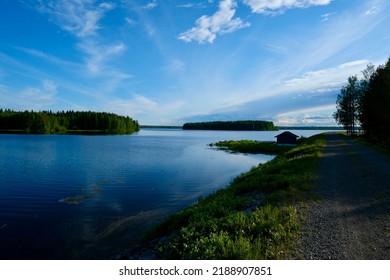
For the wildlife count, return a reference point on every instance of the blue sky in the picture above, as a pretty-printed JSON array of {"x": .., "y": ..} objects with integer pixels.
[{"x": 170, "y": 62}]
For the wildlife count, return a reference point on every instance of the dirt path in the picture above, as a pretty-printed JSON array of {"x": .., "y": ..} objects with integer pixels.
[{"x": 352, "y": 220}]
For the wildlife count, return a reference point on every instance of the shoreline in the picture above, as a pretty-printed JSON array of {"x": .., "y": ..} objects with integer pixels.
[{"x": 267, "y": 196}]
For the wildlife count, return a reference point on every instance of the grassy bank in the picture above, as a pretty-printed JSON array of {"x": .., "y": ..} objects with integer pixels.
[
  {"x": 253, "y": 218},
  {"x": 251, "y": 146},
  {"x": 378, "y": 146}
]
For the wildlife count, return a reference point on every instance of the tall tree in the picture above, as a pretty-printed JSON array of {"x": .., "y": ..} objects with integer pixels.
[
  {"x": 375, "y": 117},
  {"x": 347, "y": 105}
]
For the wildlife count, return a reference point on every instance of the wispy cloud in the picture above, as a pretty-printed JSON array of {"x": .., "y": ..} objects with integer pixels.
[
  {"x": 36, "y": 98},
  {"x": 325, "y": 80},
  {"x": 130, "y": 21},
  {"x": 192, "y": 5},
  {"x": 79, "y": 17},
  {"x": 147, "y": 109},
  {"x": 325, "y": 17},
  {"x": 48, "y": 57},
  {"x": 188, "y": 5},
  {"x": 150, "y": 5},
  {"x": 272, "y": 7},
  {"x": 300, "y": 81},
  {"x": 372, "y": 11},
  {"x": 98, "y": 54},
  {"x": 321, "y": 115},
  {"x": 209, "y": 27}
]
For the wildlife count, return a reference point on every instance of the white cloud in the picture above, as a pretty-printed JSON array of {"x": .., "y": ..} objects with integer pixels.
[
  {"x": 315, "y": 116},
  {"x": 326, "y": 80},
  {"x": 188, "y": 5},
  {"x": 192, "y": 5},
  {"x": 277, "y": 6},
  {"x": 150, "y": 5},
  {"x": 325, "y": 17},
  {"x": 372, "y": 11},
  {"x": 98, "y": 55},
  {"x": 130, "y": 21},
  {"x": 208, "y": 27},
  {"x": 79, "y": 17}
]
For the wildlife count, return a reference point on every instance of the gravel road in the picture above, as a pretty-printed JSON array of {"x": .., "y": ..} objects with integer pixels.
[{"x": 352, "y": 219}]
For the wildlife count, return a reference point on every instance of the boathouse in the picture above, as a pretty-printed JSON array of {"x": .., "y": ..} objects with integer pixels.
[{"x": 286, "y": 138}]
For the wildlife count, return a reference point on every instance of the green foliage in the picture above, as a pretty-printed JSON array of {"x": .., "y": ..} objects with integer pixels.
[
  {"x": 367, "y": 102},
  {"x": 375, "y": 116},
  {"x": 231, "y": 125},
  {"x": 230, "y": 225},
  {"x": 348, "y": 100},
  {"x": 66, "y": 122},
  {"x": 251, "y": 146},
  {"x": 259, "y": 235},
  {"x": 215, "y": 205}
]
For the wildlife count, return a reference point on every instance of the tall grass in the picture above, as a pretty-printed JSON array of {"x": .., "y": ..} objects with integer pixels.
[{"x": 234, "y": 224}]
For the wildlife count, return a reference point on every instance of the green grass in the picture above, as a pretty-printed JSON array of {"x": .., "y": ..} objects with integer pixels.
[
  {"x": 380, "y": 147},
  {"x": 234, "y": 223},
  {"x": 251, "y": 146}
]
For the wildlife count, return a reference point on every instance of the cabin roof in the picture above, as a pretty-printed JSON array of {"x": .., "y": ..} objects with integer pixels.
[{"x": 287, "y": 133}]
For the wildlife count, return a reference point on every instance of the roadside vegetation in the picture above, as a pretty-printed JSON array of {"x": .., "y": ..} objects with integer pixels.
[
  {"x": 378, "y": 146},
  {"x": 254, "y": 217}
]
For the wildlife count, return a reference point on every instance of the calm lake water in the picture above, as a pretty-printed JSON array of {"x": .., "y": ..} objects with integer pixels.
[{"x": 91, "y": 197}]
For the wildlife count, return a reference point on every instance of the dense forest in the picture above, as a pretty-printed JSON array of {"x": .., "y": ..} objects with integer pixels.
[
  {"x": 65, "y": 122},
  {"x": 231, "y": 125},
  {"x": 366, "y": 103}
]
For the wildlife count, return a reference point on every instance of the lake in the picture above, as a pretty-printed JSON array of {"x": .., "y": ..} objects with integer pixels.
[{"x": 91, "y": 197}]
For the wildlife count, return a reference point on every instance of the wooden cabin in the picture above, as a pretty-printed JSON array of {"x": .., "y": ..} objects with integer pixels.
[{"x": 286, "y": 138}]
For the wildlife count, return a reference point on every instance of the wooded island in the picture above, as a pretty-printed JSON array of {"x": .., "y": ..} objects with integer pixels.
[
  {"x": 232, "y": 125},
  {"x": 69, "y": 122}
]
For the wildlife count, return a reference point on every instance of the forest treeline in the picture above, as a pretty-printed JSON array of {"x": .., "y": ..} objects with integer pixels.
[
  {"x": 231, "y": 125},
  {"x": 365, "y": 103},
  {"x": 48, "y": 122}
]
